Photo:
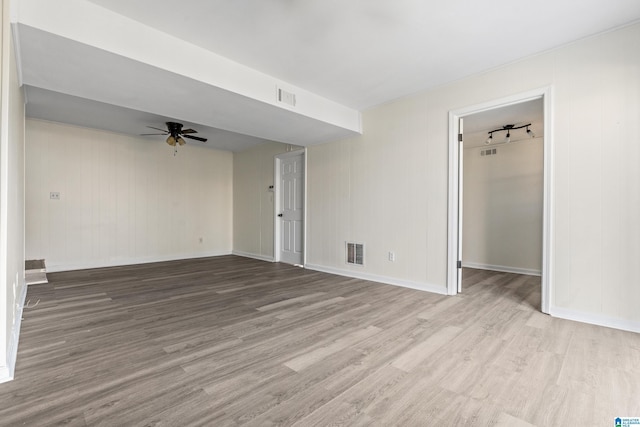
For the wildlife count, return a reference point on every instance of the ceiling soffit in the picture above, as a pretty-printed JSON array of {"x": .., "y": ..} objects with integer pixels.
[{"x": 66, "y": 55}]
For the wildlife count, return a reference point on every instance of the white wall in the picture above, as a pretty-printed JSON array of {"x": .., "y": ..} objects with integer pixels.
[
  {"x": 381, "y": 190},
  {"x": 12, "y": 284},
  {"x": 123, "y": 199},
  {"x": 253, "y": 209},
  {"x": 388, "y": 187},
  {"x": 503, "y": 207}
]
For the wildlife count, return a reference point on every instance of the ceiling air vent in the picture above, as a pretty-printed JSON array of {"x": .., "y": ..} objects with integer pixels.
[
  {"x": 355, "y": 253},
  {"x": 286, "y": 97},
  {"x": 489, "y": 152}
]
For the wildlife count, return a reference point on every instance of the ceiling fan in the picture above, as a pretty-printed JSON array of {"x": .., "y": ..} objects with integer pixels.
[{"x": 176, "y": 133}]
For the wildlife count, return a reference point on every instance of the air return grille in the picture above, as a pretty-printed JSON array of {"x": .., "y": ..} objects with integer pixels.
[
  {"x": 489, "y": 152},
  {"x": 286, "y": 97},
  {"x": 355, "y": 253}
]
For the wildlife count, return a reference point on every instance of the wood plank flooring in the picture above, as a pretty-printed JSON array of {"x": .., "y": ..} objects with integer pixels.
[{"x": 232, "y": 341}]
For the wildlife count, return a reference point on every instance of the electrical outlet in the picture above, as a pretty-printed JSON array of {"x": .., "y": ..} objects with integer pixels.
[
  {"x": 392, "y": 256},
  {"x": 54, "y": 195}
]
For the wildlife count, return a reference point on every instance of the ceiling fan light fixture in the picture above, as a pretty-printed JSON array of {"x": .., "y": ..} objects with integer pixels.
[{"x": 176, "y": 135}]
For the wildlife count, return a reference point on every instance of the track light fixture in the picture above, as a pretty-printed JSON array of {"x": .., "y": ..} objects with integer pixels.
[{"x": 508, "y": 129}]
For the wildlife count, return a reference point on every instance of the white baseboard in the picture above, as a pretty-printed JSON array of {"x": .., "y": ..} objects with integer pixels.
[
  {"x": 380, "y": 279},
  {"x": 254, "y": 256},
  {"x": 595, "y": 319},
  {"x": 6, "y": 372},
  {"x": 6, "y": 368},
  {"x": 55, "y": 268},
  {"x": 502, "y": 268}
]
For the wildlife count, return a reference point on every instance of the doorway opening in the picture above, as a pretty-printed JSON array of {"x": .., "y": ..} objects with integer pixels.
[
  {"x": 290, "y": 204},
  {"x": 536, "y": 105}
]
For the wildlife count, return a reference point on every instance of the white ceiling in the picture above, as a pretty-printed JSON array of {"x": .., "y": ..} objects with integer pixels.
[
  {"x": 365, "y": 52},
  {"x": 357, "y": 53}
]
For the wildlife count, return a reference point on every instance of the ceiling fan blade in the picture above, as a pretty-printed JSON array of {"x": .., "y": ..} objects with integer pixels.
[
  {"x": 189, "y": 131},
  {"x": 197, "y": 138},
  {"x": 161, "y": 130}
]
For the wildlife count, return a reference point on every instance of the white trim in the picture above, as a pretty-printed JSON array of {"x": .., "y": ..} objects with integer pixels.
[
  {"x": 5, "y": 45},
  {"x": 452, "y": 207},
  {"x": 547, "y": 204},
  {"x": 380, "y": 279},
  {"x": 7, "y": 372},
  {"x": 55, "y": 268},
  {"x": 546, "y": 94},
  {"x": 276, "y": 202},
  {"x": 503, "y": 268},
  {"x": 276, "y": 208},
  {"x": 595, "y": 319},
  {"x": 254, "y": 256},
  {"x": 18, "y": 54},
  {"x": 304, "y": 214},
  {"x": 460, "y": 219},
  {"x": 14, "y": 12}
]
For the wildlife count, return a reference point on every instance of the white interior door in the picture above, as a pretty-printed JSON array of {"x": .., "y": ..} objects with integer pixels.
[
  {"x": 291, "y": 212},
  {"x": 460, "y": 181}
]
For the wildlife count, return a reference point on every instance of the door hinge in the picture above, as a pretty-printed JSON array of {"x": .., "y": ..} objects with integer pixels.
[
  {"x": 459, "y": 137},
  {"x": 459, "y": 264}
]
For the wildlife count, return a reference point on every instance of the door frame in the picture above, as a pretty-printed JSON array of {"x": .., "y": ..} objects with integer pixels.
[
  {"x": 276, "y": 204},
  {"x": 454, "y": 210}
]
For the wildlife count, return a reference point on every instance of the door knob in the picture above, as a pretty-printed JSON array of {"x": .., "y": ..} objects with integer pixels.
[{"x": 280, "y": 214}]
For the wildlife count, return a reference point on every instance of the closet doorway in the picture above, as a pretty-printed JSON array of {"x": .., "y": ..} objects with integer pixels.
[{"x": 499, "y": 189}]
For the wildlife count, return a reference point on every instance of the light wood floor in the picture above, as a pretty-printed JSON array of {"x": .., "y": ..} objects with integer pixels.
[{"x": 229, "y": 341}]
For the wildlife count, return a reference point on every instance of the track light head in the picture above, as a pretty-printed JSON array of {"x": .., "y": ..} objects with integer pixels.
[
  {"x": 490, "y": 139},
  {"x": 530, "y": 133},
  {"x": 508, "y": 136}
]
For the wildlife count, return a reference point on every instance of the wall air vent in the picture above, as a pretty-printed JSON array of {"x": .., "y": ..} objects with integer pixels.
[
  {"x": 286, "y": 97},
  {"x": 489, "y": 152},
  {"x": 355, "y": 253}
]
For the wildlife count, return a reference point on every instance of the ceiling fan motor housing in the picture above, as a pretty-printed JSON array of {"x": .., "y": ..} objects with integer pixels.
[{"x": 174, "y": 128}]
